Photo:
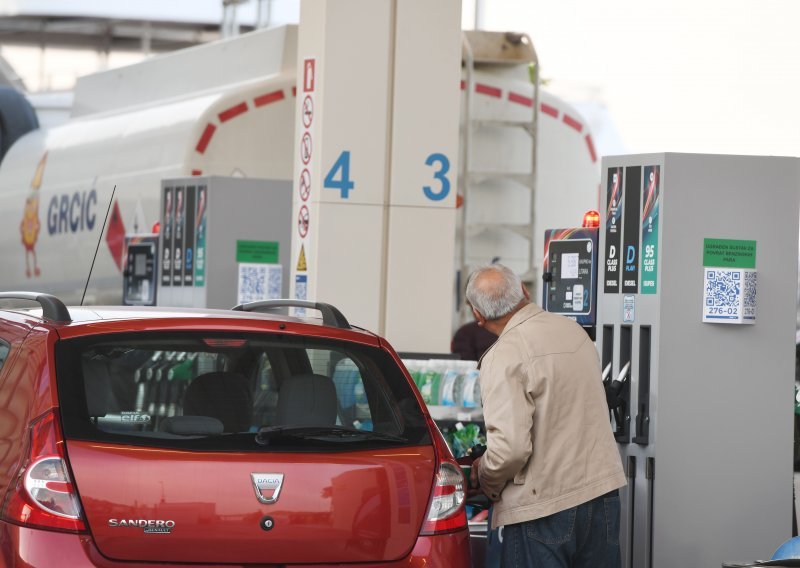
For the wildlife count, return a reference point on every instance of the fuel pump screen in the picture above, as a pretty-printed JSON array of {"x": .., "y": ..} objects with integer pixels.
[
  {"x": 140, "y": 265},
  {"x": 569, "y": 265},
  {"x": 140, "y": 277},
  {"x": 572, "y": 273}
]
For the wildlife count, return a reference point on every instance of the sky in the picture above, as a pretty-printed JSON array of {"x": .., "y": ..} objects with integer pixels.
[{"x": 677, "y": 75}]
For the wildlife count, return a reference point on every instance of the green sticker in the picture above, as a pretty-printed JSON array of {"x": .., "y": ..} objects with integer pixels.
[
  {"x": 729, "y": 253},
  {"x": 264, "y": 252}
]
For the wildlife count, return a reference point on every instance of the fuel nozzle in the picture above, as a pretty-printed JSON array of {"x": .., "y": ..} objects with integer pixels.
[
  {"x": 607, "y": 375},
  {"x": 472, "y": 454},
  {"x": 613, "y": 390},
  {"x": 476, "y": 451},
  {"x": 468, "y": 459}
]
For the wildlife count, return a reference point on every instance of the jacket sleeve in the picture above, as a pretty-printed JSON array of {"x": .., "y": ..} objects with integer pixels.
[{"x": 508, "y": 415}]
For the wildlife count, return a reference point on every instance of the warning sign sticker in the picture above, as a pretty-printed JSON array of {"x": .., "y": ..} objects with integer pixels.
[
  {"x": 308, "y": 111},
  {"x": 305, "y": 184},
  {"x": 301, "y": 260},
  {"x": 305, "y": 148},
  {"x": 309, "y": 75},
  {"x": 303, "y": 221}
]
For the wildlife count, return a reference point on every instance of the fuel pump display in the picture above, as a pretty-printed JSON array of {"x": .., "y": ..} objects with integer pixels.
[
  {"x": 570, "y": 274},
  {"x": 141, "y": 271}
]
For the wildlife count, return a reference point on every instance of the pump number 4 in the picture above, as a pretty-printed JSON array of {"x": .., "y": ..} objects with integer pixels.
[
  {"x": 440, "y": 175},
  {"x": 339, "y": 176}
]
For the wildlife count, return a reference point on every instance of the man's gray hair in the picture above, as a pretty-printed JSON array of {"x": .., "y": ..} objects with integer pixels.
[{"x": 495, "y": 297}]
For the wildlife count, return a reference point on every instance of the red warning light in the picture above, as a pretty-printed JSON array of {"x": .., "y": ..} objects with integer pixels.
[
  {"x": 156, "y": 227},
  {"x": 591, "y": 220}
]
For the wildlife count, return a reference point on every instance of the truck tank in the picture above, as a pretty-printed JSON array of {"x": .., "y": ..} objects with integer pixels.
[{"x": 226, "y": 108}]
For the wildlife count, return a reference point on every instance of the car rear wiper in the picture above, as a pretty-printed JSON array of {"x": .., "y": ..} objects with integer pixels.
[{"x": 266, "y": 433}]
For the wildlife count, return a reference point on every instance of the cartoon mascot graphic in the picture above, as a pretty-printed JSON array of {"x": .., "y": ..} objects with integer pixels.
[{"x": 29, "y": 227}]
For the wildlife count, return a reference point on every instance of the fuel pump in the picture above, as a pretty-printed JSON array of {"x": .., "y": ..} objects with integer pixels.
[
  {"x": 141, "y": 270},
  {"x": 694, "y": 319},
  {"x": 570, "y": 289}
]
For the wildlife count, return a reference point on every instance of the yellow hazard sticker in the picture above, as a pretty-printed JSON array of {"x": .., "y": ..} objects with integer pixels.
[{"x": 301, "y": 260}]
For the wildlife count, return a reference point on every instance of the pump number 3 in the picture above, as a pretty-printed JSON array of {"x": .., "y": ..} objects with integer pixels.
[{"x": 440, "y": 175}]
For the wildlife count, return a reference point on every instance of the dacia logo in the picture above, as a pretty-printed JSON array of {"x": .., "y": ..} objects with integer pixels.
[{"x": 267, "y": 486}]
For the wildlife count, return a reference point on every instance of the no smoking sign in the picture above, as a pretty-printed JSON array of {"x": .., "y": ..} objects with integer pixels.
[{"x": 302, "y": 221}]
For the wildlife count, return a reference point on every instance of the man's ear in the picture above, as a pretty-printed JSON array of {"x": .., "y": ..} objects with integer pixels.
[
  {"x": 478, "y": 317},
  {"x": 526, "y": 293}
]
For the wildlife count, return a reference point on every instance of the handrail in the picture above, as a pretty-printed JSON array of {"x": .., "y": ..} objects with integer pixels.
[
  {"x": 331, "y": 316},
  {"x": 52, "y": 308}
]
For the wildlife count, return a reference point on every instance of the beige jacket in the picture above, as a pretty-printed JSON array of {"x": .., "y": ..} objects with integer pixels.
[{"x": 550, "y": 445}]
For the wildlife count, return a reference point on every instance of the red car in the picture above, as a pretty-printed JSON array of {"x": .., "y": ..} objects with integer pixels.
[{"x": 141, "y": 437}]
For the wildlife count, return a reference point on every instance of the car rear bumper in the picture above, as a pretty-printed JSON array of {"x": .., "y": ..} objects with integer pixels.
[{"x": 21, "y": 546}]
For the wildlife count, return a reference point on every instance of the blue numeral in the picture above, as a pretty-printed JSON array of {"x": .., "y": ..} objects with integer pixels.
[
  {"x": 342, "y": 168},
  {"x": 444, "y": 167}
]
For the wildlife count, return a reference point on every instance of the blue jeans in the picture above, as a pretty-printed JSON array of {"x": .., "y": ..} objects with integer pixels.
[{"x": 586, "y": 536}]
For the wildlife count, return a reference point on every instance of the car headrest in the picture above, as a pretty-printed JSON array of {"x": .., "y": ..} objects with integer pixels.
[
  {"x": 97, "y": 383},
  {"x": 307, "y": 400},
  {"x": 223, "y": 395}
]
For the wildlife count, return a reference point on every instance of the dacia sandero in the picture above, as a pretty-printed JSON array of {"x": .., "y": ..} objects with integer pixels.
[{"x": 148, "y": 436}]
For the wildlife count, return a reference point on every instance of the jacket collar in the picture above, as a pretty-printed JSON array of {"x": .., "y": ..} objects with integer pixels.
[{"x": 524, "y": 314}]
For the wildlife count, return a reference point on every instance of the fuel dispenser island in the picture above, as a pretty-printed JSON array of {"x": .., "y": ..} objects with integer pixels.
[
  {"x": 222, "y": 241},
  {"x": 695, "y": 331}
]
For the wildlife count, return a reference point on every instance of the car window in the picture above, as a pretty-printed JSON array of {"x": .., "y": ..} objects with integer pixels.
[
  {"x": 254, "y": 392},
  {"x": 4, "y": 349}
]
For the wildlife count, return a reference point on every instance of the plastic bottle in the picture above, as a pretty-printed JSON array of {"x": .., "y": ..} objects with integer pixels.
[{"x": 471, "y": 389}]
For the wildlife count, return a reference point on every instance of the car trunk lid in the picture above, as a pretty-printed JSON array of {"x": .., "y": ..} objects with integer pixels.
[{"x": 155, "y": 504}]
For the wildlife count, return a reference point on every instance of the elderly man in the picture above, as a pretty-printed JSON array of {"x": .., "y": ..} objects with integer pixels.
[{"x": 551, "y": 466}]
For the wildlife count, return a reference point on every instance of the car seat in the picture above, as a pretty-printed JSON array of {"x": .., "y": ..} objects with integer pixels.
[
  {"x": 307, "y": 400},
  {"x": 223, "y": 395},
  {"x": 346, "y": 379},
  {"x": 96, "y": 381}
]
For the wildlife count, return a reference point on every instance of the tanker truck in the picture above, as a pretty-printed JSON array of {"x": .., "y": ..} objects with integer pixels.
[{"x": 228, "y": 108}]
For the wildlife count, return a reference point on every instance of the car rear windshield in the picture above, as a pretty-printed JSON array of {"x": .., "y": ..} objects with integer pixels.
[{"x": 225, "y": 392}]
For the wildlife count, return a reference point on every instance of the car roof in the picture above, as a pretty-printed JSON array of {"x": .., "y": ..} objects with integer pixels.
[{"x": 87, "y": 319}]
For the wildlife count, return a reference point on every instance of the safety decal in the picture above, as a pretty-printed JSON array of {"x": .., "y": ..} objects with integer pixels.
[
  {"x": 308, "y": 111},
  {"x": 302, "y": 266},
  {"x": 302, "y": 222},
  {"x": 309, "y": 78},
  {"x": 305, "y": 184}
]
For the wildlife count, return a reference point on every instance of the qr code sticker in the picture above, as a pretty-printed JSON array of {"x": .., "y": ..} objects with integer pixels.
[
  {"x": 723, "y": 288},
  {"x": 252, "y": 280},
  {"x": 274, "y": 282},
  {"x": 300, "y": 293},
  {"x": 750, "y": 286}
]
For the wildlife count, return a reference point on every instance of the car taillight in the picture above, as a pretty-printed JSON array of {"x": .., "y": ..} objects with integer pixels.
[
  {"x": 43, "y": 495},
  {"x": 446, "y": 510}
]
